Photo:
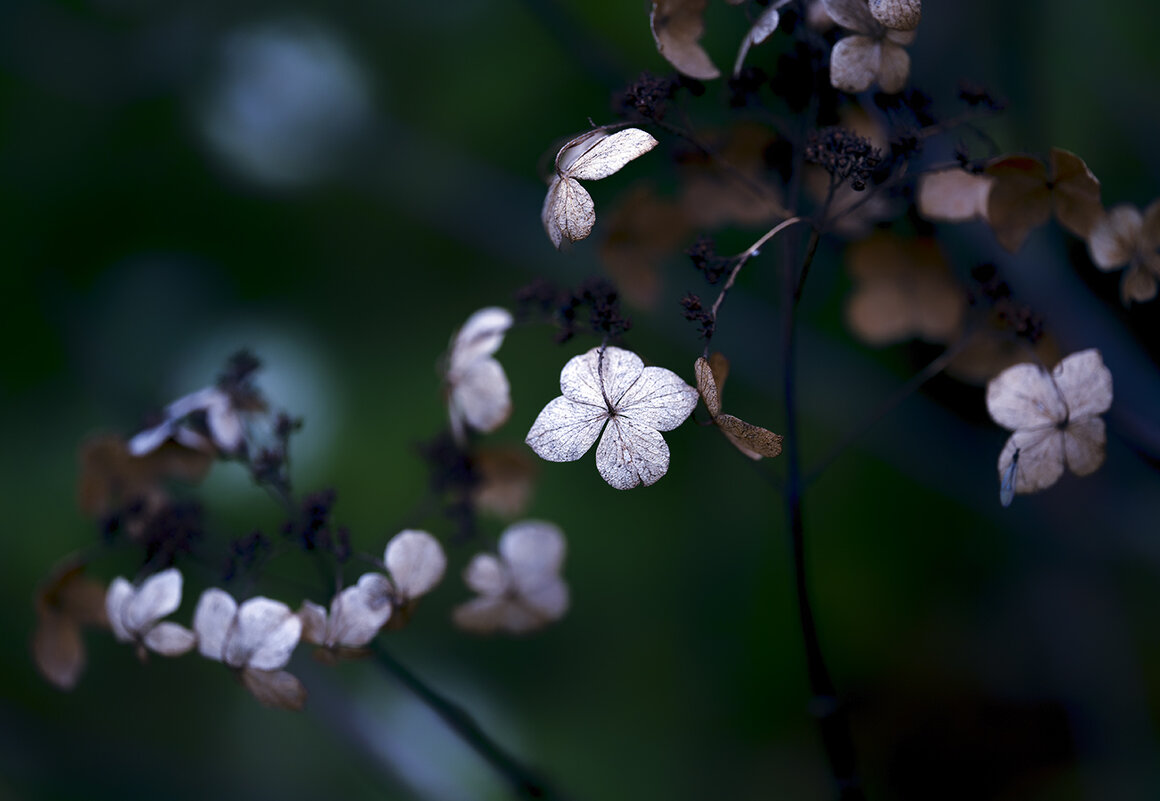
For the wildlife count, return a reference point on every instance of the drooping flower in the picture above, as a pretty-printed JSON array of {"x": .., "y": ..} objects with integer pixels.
[
  {"x": 521, "y": 589},
  {"x": 135, "y": 614},
  {"x": 1125, "y": 237},
  {"x": 1054, "y": 417},
  {"x": 255, "y": 639},
  {"x": 568, "y": 213},
  {"x": 478, "y": 394},
  {"x": 611, "y": 385},
  {"x": 875, "y": 53}
]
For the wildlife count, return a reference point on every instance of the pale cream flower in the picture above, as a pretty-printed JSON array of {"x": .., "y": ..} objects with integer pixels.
[
  {"x": 1055, "y": 418},
  {"x": 875, "y": 53},
  {"x": 1125, "y": 237},
  {"x": 478, "y": 393},
  {"x": 521, "y": 590}
]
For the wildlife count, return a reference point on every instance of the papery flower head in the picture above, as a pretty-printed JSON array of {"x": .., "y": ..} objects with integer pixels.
[
  {"x": 478, "y": 394},
  {"x": 135, "y": 614},
  {"x": 875, "y": 53},
  {"x": 520, "y": 590},
  {"x": 1054, "y": 417},
  {"x": 611, "y": 385},
  {"x": 256, "y": 639},
  {"x": 1123, "y": 237}
]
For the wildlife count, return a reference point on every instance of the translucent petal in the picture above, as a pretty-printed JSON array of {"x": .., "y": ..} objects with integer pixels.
[
  {"x": 117, "y": 598},
  {"x": 275, "y": 688},
  {"x": 601, "y": 376},
  {"x": 610, "y": 154},
  {"x": 481, "y": 396},
  {"x": 480, "y": 337},
  {"x": 1025, "y": 397},
  {"x": 577, "y": 147},
  {"x": 1138, "y": 283},
  {"x": 1040, "y": 458},
  {"x": 58, "y": 649},
  {"x": 1083, "y": 445},
  {"x": 415, "y": 561},
  {"x": 631, "y": 454},
  {"x": 707, "y": 386},
  {"x": 754, "y": 441},
  {"x": 854, "y": 63},
  {"x": 262, "y": 636},
  {"x": 1020, "y": 199},
  {"x": 355, "y": 618},
  {"x": 953, "y": 195},
  {"x": 532, "y": 548},
  {"x": 487, "y": 575},
  {"x": 482, "y": 615},
  {"x": 852, "y": 14},
  {"x": 548, "y": 598},
  {"x": 314, "y": 619},
  {"x": 658, "y": 399},
  {"x": 225, "y": 425},
  {"x": 1076, "y": 192},
  {"x": 765, "y": 25},
  {"x": 564, "y": 430},
  {"x": 212, "y": 618},
  {"x": 170, "y": 639},
  {"x": 1112, "y": 241},
  {"x": 1086, "y": 384},
  {"x": 894, "y": 68},
  {"x": 568, "y": 213},
  {"x": 677, "y": 26},
  {"x": 150, "y": 439},
  {"x": 158, "y": 596}
]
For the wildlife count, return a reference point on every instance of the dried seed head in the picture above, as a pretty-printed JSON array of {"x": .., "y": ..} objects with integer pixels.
[{"x": 901, "y": 15}]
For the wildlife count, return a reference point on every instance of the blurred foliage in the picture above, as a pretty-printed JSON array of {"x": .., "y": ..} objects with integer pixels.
[{"x": 353, "y": 217}]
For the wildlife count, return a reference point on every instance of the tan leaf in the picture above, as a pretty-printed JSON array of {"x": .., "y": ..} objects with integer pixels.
[
  {"x": 754, "y": 441},
  {"x": 677, "y": 26},
  {"x": 1020, "y": 199}
]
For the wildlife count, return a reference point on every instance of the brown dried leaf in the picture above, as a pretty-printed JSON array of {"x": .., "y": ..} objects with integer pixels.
[
  {"x": 274, "y": 688},
  {"x": 643, "y": 231},
  {"x": 111, "y": 477},
  {"x": 677, "y": 26},
  {"x": 754, "y": 441},
  {"x": 741, "y": 195},
  {"x": 64, "y": 602},
  {"x": 707, "y": 386},
  {"x": 507, "y": 477},
  {"x": 1020, "y": 199}
]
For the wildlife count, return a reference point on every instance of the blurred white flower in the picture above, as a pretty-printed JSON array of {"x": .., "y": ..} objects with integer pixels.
[
  {"x": 478, "y": 394},
  {"x": 612, "y": 385},
  {"x": 416, "y": 563},
  {"x": 135, "y": 614},
  {"x": 256, "y": 639},
  {"x": 521, "y": 590},
  {"x": 1055, "y": 417},
  {"x": 205, "y": 420},
  {"x": 1126, "y": 237}
]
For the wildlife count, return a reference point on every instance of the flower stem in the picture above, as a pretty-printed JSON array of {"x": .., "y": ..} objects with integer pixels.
[{"x": 524, "y": 783}]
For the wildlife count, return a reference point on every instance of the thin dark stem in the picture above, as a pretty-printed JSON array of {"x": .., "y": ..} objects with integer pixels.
[
  {"x": 831, "y": 714},
  {"x": 523, "y": 782}
]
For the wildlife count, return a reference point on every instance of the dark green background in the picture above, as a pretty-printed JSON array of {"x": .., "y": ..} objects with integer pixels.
[{"x": 989, "y": 653}]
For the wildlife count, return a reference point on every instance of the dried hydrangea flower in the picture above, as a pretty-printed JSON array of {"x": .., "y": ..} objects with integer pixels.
[
  {"x": 1025, "y": 192},
  {"x": 65, "y": 602},
  {"x": 1125, "y": 237},
  {"x": 356, "y": 615},
  {"x": 222, "y": 429},
  {"x": 478, "y": 394},
  {"x": 569, "y": 213},
  {"x": 135, "y": 614},
  {"x": 256, "y": 640},
  {"x": 953, "y": 195},
  {"x": 875, "y": 53},
  {"x": 903, "y": 289},
  {"x": 521, "y": 590},
  {"x": 754, "y": 441},
  {"x": 1054, "y": 417},
  {"x": 612, "y": 385}
]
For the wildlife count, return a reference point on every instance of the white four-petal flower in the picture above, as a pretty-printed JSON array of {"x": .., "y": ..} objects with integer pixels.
[
  {"x": 1055, "y": 417},
  {"x": 611, "y": 385},
  {"x": 521, "y": 590},
  {"x": 135, "y": 613},
  {"x": 223, "y": 425}
]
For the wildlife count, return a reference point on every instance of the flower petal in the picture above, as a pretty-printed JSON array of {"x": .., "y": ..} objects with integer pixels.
[
  {"x": 1040, "y": 459},
  {"x": 1139, "y": 283},
  {"x": 600, "y": 376},
  {"x": 275, "y": 688},
  {"x": 415, "y": 561},
  {"x": 263, "y": 635},
  {"x": 631, "y": 454},
  {"x": 568, "y": 213},
  {"x": 170, "y": 639},
  {"x": 479, "y": 338},
  {"x": 158, "y": 596},
  {"x": 481, "y": 397},
  {"x": 1083, "y": 445},
  {"x": 483, "y": 615},
  {"x": 564, "y": 430},
  {"x": 356, "y": 617},
  {"x": 1112, "y": 241},
  {"x": 852, "y": 14},
  {"x": 532, "y": 548},
  {"x": 894, "y": 68},
  {"x": 215, "y": 612},
  {"x": 117, "y": 598},
  {"x": 609, "y": 154},
  {"x": 487, "y": 575},
  {"x": 659, "y": 399},
  {"x": 314, "y": 620},
  {"x": 1085, "y": 382},
  {"x": 1025, "y": 397},
  {"x": 854, "y": 63}
]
